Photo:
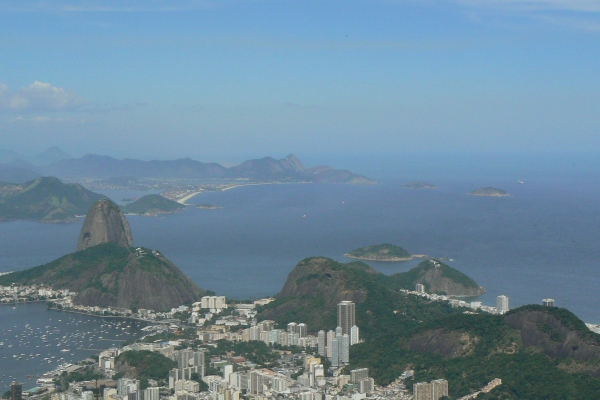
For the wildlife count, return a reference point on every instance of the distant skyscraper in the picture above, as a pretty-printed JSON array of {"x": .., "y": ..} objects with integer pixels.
[
  {"x": 291, "y": 327},
  {"x": 302, "y": 330},
  {"x": 354, "y": 335},
  {"x": 344, "y": 343},
  {"x": 346, "y": 316},
  {"x": 339, "y": 331},
  {"x": 548, "y": 302},
  {"x": 335, "y": 352},
  {"x": 502, "y": 304},
  {"x": 420, "y": 288},
  {"x": 321, "y": 343},
  {"x": 330, "y": 337}
]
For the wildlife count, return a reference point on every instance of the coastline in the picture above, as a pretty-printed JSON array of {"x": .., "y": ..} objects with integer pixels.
[
  {"x": 189, "y": 196},
  {"x": 395, "y": 259}
]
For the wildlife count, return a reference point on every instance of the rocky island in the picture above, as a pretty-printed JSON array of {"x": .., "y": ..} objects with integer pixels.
[
  {"x": 153, "y": 204},
  {"x": 418, "y": 185},
  {"x": 489, "y": 192},
  {"x": 107, "y": 271},
  {"x": 383, "y": 252},
  {"x": 208, "y": 207}
]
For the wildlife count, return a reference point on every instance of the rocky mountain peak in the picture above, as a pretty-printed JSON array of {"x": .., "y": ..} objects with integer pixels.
[{"x": 104, "y": 223}]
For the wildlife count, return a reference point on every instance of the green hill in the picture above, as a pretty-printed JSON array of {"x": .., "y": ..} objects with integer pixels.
[
  {"x": 110, "y": 275},
  {"x": 382, "y": 252},
  {"x": 152, "y": 204},
  {"x": 46, "y": 199},
  {"x": 538, "y": 352},
  {"x": 437, "y": 277}
]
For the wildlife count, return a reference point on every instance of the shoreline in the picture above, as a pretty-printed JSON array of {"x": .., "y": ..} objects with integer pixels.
[{"x": 189, "y": 196}]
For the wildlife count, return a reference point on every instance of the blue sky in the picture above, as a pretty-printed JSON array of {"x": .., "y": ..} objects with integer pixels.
[{"x": 227, "y": 80}]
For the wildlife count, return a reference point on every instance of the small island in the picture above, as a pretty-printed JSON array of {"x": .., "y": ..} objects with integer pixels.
[
  {"x": 208, "y": 207},
  {"x": 152, "y": 204},
  {"x": 383, "y": 252},
  {"x": 418, "y": 185},
  {"x": 489, "y": 192}
]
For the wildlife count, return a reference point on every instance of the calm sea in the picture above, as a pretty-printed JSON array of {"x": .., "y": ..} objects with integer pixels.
[{"x": 540, "y": 242}]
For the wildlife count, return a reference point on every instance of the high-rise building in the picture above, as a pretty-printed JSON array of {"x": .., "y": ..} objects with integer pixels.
[
  {"x": 291, "y": 327},
  {"x": 344, "y": 343},
  {"x": 357, "y": 375},
  {"x": 346, "y": 316},
  {"x": 366, "y": 385},
  {"x": 321, "y": 343},
  {"x": 335, "y": 352},
  {"x": 420, "y": 288},
  {"x": 433, "y": 390},
  {"x": 439, "y": 388},
  {"x": 502, "y": 304},
  {"x": 183, "y": 358},
  {"x": 16, "y": 391},
  {"x": 302, "y": 330},
  {"x": 548, "y": 302},
  {"x": 423, "y": 391},
  {"x": 354, "y": 335},
  {"x": 330, "y": 337}
]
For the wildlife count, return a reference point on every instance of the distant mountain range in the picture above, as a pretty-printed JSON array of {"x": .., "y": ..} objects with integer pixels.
[
  {"x": 45, "y": 199},
  {"x": 102, "y": 167}
]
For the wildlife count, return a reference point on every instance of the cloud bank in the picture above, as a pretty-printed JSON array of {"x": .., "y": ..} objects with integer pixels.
[{"x": 39, "y": 97}]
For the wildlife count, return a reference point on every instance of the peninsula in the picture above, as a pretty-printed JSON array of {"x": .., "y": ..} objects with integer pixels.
[
  {"x": 383, "y": 252},
  {"x": 107, "y": 271},
  {"x": 489, "y": 192}
]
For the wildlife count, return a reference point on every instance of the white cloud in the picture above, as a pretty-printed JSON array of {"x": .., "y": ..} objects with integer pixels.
[{"x": 39, "y": 96}]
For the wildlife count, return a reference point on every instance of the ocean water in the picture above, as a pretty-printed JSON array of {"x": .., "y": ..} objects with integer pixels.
[
  {"x": 36, "y": 340},
  {"x": 540, "y": 242}
]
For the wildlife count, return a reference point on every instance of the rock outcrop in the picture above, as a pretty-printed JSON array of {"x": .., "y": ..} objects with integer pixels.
[
  {"x": 104, "y": 223},
  {"x": 437, "y": 277}
]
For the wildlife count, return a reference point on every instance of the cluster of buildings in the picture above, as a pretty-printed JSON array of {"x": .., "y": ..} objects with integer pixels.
[
  {"x": 335, "y": 345},
  {"x": 433, "y": 390},
  {"x": 502, "y": 302},
  {"x": 24, "y": 293}
]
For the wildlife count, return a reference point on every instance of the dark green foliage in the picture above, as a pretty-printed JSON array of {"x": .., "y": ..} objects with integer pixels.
[
  {"x": 148, "y": 364},
  {"x": 256, "y": 351},
  {"x": 567, "y": 319},
  {"x": 407, "y": 280},
  {"x": 45, "y": 199},
  {"x": 392, "y": 323},
  {"x": 152, "y": 204},
  {"x": 114, "y": 257},
  {"x": 380, "y": 252}
]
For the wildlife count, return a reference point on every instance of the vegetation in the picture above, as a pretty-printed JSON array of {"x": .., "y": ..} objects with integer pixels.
[
  {"x": 46, "y": 199},
  {"x": 152, "y": 204},
  {"x": 147, "y": 364},
  {"x": 408, "y": 279},
  {"x": 381, "y": 252},
  {"x": 403, "y": 332}
]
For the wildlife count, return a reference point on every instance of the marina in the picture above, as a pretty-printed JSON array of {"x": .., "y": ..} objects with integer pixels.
[{"x": 35, "y": 340}]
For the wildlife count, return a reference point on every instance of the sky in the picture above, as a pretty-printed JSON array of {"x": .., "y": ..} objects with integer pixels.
[{"x": 234, "y": 79}]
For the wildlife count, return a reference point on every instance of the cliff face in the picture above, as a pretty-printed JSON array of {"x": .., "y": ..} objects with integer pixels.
[
  {"x": 104, "y": 223},
  {"x": 315, "y": 286},
  {"x": 542, "y": 329}
]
